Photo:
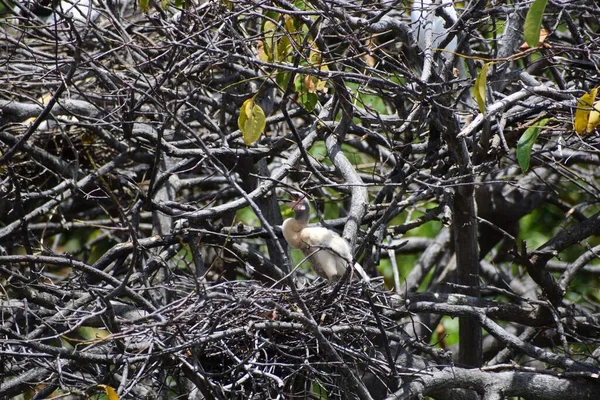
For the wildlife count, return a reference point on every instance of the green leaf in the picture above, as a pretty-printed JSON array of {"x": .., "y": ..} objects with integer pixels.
[
  {"x": 282, "y": 79},
  {"x": 252, "y": 121},
  {"x": 308, "y": 100},
  {"x": 533, "y": 22},
  {"x": 526, "y": 143},
  {"x": 480, "y": 87},
  {"x": 144, "y": 5}
]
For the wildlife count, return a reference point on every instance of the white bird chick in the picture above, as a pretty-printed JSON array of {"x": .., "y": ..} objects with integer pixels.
[
  {"x": 328, "y": 252},
  {"x": 423, "y": 12}
]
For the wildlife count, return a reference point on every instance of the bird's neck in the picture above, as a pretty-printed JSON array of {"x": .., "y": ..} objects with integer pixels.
[
  {"x": 291, "y": 229},
  {"x": 302, "y": 218}
]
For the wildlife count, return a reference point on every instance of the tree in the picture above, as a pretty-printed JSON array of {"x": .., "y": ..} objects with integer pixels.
[{"x": 144, "y": 153}]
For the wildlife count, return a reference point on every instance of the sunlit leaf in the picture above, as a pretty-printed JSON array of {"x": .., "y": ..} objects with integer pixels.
[
  {"x": 307, "y": 99},
  {"x": 526, "y": 143},
  {"x": 293, "y": 28},
  {"x": 321, "y": 85},
  {"x": 594, "y": 118},
  {"x": 164, "y": 4},
  {"x": 480, "y": 87},
  {"x": 290, "y": 24},
  {"x": 584, "y": 107},
  {"x": 270, "y": 40},
  {"x": 262, "y": 52},
  {"x": 252, "y": 121},
  {"x": 92, "y": 334},
  {"x": 309, "y": 84},
  {"x": 110, "y": 392},
  {"x": 284, "y": 48},
  {"x": 315, "y": 60},
  {"x": 315, "y": 57},
  {"x": 533, "y": 22}
]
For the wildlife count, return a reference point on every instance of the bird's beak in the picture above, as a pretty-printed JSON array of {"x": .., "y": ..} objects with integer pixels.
[{"x": 296, "y": 198}]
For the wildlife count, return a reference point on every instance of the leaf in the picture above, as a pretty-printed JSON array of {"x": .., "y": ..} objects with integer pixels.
[
  {"x": 582, "y": 114},
  {"x": 110, "y": 392},
  {"x": 263, "y": 55},
  {"x": 309, "y": 84},
  {"x": 594, "y": 118},
  {"x": 308, "y": 100},
  {"x": 300, "y": 5},
  {"x": 282, "y": 79},
  {"x": 144, "y": 5},
  {"x": 284, "y": 48},
  {"x": 533, "y": 22},
  {"x": 316, "y": 61},
  {"x": 270, "y": 41},
  {"x": 252, "y": 121},
  {"x": 526, "y": 143},
  {"x": 480, "y": 87},
  {"x": 321, "y": 85},
  {"x": 315, "y": 57},
  {"x": 293, "y": 28}
]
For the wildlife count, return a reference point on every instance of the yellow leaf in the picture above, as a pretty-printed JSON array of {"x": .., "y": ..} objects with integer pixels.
[
  {"x": 262, "y": 52},
  {"x": 270, "y": 41},
  {"x": 315, "y": 57},
  {"x": 582, "y": 114},
  {"x": 594, "y": 118},
  {"x": 321, "y": 84},
  {"x": 289, "y": 24},
  {"x": 252, "y": 121},
  {"x": 247, "y": 107},
  {"x": 110, "y": 392},
  {"x": 284, "y": 48},
  {"x": 480, "y": 87},
  {"x": 316, "y": 60}
]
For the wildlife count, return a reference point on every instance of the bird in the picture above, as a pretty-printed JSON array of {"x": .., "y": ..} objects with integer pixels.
[
  {"x": 424, "y": 10},
  {"x": 328, "y": 252}
]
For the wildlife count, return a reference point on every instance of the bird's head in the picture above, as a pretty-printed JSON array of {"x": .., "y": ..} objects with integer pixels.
[{"x": 299, "y": 204}]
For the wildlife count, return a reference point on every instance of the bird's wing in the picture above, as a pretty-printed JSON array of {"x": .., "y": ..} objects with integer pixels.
[
  {"x": 335, "y": 256},
  {"x": 319, "y": 237},
  {"x": 329, "y": 253}
]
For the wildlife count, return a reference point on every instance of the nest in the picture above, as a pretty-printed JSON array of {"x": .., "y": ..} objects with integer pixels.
[{"x": 243, "y": 340}]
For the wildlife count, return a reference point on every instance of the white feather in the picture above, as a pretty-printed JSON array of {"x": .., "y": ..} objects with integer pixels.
[
  {"x": 328, "y": 252},
  {"x": 424, "y": 11}
]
